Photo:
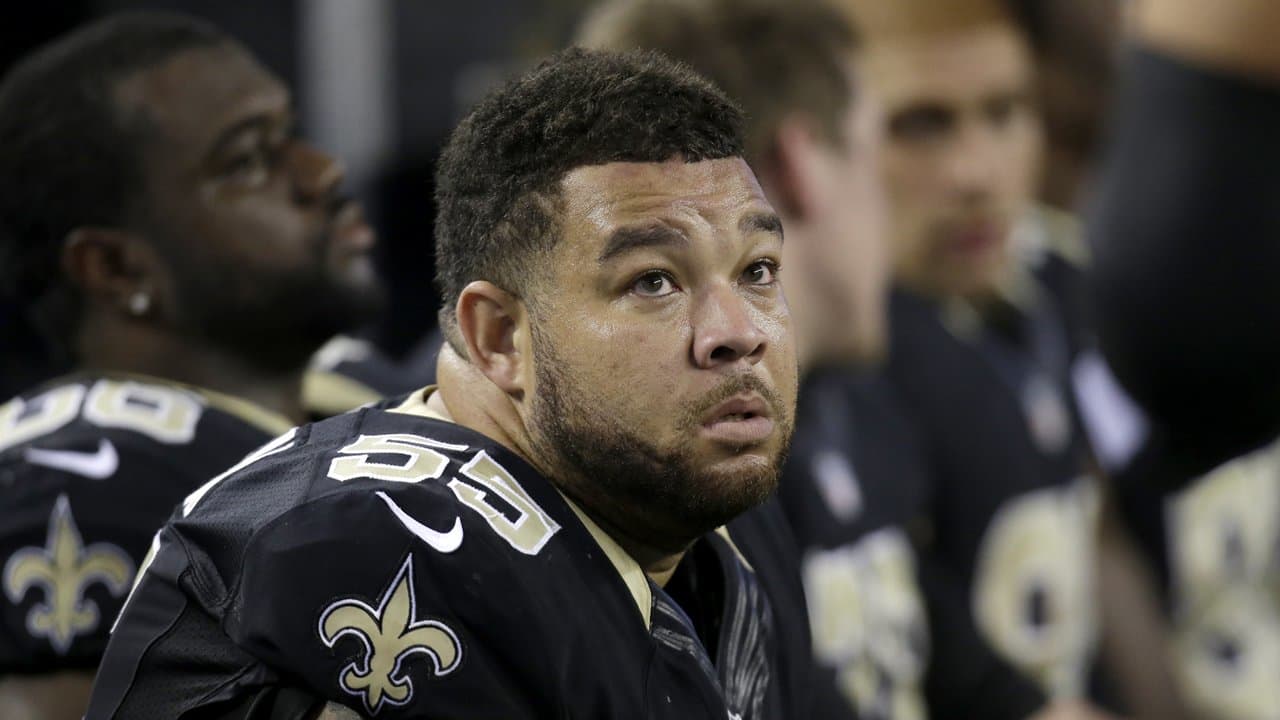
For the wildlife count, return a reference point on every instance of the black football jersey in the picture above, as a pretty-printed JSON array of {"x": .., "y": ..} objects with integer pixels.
[
  {"x": 853, "y": 488},
  {"x": 407, "y": 567},
  {"x": 1213, "y": 540},
  {"x": 1013, "y": 508},
  {"x": 90, "y": 468}
]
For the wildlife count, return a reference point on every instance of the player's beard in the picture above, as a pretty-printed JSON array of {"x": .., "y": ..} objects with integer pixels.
[
  {"x": 660, "y": 495},
  {"x": 273, "y": 318}
]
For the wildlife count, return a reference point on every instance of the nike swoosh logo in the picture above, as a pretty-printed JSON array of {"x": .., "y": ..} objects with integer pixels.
[
  {"x": 98, "y": 465},
  {"x": 445, "y": 542}
]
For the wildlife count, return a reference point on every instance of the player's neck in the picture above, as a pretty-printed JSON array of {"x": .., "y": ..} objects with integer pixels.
[
  {"x": 659, "y": 564},
  {"x": 130, "y": 349},
  {"x": 467, "y": 398}
]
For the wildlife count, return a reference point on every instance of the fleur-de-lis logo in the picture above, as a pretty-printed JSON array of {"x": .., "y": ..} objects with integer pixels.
[
  {"x": 64, "y": 569},
  {"x": 390, "y": 635}
]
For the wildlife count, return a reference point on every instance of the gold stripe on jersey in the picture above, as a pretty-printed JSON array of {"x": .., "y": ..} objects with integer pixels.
[
  {"x": 416, "y": 404},
  {"x": 723, "y": 532},
  {"x": 628, "y": 569},
  {"x": 272, "y": 422},
  {"x": 327, "y": 393},
  {"x": 269, "y": 421}
]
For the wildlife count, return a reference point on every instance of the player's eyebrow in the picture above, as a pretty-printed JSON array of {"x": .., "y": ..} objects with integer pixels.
[
  {"x": 761, "y": 222},
  {"x": 634, "y": 237}
]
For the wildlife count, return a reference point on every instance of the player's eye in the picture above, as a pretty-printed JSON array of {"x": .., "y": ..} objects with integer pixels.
[
  {"x": 923, "y": 123},
  {"x": 1001, "y": 110},
  {"x": 254, "y": 162},
  {"x": 761, "y": 272},
  {"x": 654, "y": 283},
  {"x": 249, "y": 167}
]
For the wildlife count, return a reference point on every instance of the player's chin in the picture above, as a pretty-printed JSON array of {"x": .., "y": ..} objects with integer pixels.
[
  {"x": 750, "y": 475},
  {"x": 713, "y": 493},
  {"x": 732, "y": 491}
]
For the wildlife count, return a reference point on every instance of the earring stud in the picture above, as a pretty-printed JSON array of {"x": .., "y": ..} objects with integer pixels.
[{"x": 139, "y": 303}]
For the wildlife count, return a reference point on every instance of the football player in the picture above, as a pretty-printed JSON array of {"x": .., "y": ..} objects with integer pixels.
[
  {"x": 852, "y": 482},
  {"x": 536, "y": 537},
  {"x": 189, "y": 254},
  {"x": 1186, "y": 232},
  {"x": 984, "y": 335}
]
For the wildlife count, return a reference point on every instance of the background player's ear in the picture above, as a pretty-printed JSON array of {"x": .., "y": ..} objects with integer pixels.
[
  {"x": 788, "y": 176},
  {"x": 489, "y": 321},
  {"x": 111, "y": 267}
]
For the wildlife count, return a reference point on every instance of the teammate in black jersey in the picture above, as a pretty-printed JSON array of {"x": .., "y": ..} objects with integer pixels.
[
  {"x": 91, "y": 466},
  {"x": 981, "y": 354},
  {"x": 187, "y": 254},
  {"x": 1213, "y": 542},
  {"x": 538, "y": 536},
  {"x": 1186, "y": 230}
]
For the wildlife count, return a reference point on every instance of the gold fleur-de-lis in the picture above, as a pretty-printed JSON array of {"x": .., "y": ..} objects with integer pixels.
[
  {"x": 390, "y": 634},
  {"x": 64, "y": 569}
]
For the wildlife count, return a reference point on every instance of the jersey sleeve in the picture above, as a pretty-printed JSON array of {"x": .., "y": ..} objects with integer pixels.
[{"x": 1186, "y": 231}]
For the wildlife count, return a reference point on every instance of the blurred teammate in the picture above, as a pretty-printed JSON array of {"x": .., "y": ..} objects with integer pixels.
[
  {"x": 852, "y": 482},
  {"x": 537, "y": 537},
  {"x": 985, "y": 331},
  {"x": 175, "y": 239},
  {"x": 1186, "y": 233}
]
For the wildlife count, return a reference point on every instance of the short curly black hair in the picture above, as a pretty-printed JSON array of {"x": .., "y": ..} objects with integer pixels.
[
  {"x": 69, "y": 156},
  {"x": 497, "y": 182}
]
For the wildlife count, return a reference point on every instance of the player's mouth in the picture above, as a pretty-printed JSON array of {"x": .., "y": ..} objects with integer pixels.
[
  {"x": 740, "y": 420},
  {"x": 349, "y": 232},
  {"x": 976, "y": 237}
]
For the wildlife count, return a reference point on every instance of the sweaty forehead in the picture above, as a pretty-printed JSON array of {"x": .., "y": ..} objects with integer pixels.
[
  {"x": 194, "y": 96},
  {"x": 715, "y": 191}
]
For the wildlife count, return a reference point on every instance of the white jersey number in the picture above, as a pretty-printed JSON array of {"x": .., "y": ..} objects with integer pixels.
[
  {"x": 165, "y": 414},
  {"x": 479, "y": 481}
]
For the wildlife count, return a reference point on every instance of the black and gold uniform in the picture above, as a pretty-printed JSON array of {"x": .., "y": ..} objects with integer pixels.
[
  {"x": 1007, "y": 565},
  {"x": 405, "y": 566},
  {"x": 90, "y": 468},
  {"x": 1213, "y": 539},
  {"x": 854, "y": 490},
  {"x": 1185, "y": 225}
]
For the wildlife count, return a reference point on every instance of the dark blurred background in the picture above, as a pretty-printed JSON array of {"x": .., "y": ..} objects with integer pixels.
[{"x": 380, "y": 83}]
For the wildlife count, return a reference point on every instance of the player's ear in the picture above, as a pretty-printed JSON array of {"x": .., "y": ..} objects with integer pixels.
[
  {"x": 490, "y": 321},
  {"x": 113, "y": 267},
  {"x": 789, "y": 172}
]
